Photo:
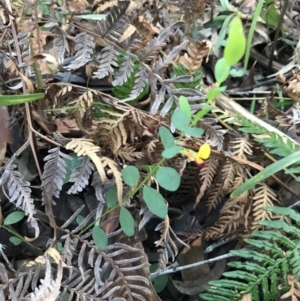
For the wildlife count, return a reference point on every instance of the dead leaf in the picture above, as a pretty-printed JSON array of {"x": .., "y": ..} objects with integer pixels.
[
  {"x": 129, "y": 31},
  {"x": 192, "y": 255}
]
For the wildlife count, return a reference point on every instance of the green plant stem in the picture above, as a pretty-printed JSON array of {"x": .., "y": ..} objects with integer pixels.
[
  {"x": 19, "y": 236},
  {"x": 258, "y": 9},
  {"x": 131, "y": 194}
]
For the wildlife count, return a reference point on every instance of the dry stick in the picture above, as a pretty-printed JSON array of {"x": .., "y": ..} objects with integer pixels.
[{"x": 28, "y": 114}]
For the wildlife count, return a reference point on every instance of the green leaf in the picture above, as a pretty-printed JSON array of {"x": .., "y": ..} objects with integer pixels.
[
  {"x": 179, "y": 120},
  {"x": 237, "y": 72},
  {"x": 71, "y": 165},
  {"x": 155, "y": 202},
  {"x": 159, "y": 282},
  {"x": 99, "y": 237},
  {"x": 185, "y": 107},
  {"x": 212, "y": 94},
  {"x": 130, "y": 175},
  {"x": 168, "y": 178},
  {"x": 195, "y": 132},
  {"x": 112, "y": 197},
  {"x": 79, "y": 219},
  {"x": 268, "y": 171},
  {"x": 271, "y": 16},
  {"x": 126, "y": 222},
  {"x": 166, "y": 137},
  {"x": 15, "y": 240},
  {"x": 97, "y": 17},
  {"x": 171, "y": 152},
  {"x": 9, "y": 100},
  {"x": 14, "y": 217},
  {"x": 236, "y": 43},
  {"x": 222, "y": 70}
]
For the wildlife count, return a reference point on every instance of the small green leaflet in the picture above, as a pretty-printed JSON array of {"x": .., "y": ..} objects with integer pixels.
[
  {"x": 171, "y": 152},
  {"x": 222, "y": 70},
  {"x": 166, "y": 137},
  {"x": 155, "y": 202},
  {"x": 194, "y": 132},
  {"x": 180, "y": 121},
  {"x": 99, "y": 237},
  {"x": 130, "y": 175},
  {"x": 112, "y": 197},
  {"x": 10, "y": 100},
  {"x": 185, "y": 107},
  {"x": 126, "y": 222},
  {"x": 158, "y": 282},
  {"x": 15, "y": 240},
  {"x": 168, "y": 178},
  {"x": 79, "y": 219},
  {"x": 14, "y": 217}
]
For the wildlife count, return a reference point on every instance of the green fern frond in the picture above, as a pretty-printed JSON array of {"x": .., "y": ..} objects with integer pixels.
[
  {"x": 271, "y": 256},
  {"x": 123, "y": 91},
  {"x": 270, "y": 140},
  {"x": 179, "y": 70}
]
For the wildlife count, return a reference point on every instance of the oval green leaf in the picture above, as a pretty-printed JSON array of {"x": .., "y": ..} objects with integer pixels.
[
  {"x": 126, "y": 221},
  {"x": 171, "y": 152},
  {"x": 155, "y": 202},
  {"x": 168, "y": 178},
  {"x": 14, "y": 217},
  {"x": 194, "y": 132},
  {"x": 222, "y": 70},
  {"x": 15, "y": 240},
  {"x": 236, "y": 43},
  {"x": 112, "y": 197},
  {"x": 179, "y": 120},
  {"x": 166, "y": 137},
  {"x": 99, "y": 237},
  {"x": 130, "y": 175},
  {"x": 79, "y": 219},
  {"x": 185, "y": 107}
]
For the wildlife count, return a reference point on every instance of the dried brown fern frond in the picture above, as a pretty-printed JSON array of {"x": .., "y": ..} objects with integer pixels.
[
  {"x": 230, "y": 222},
  {"x": 215, "y": 194},
  {"x": 192, "y": 60},
  {"x": 207, "y": 174},
  {"x": 82, "y": 103},
  {"x": 128, "y": 153},
  {"x": 241, "y": 147},
  {"x": 264, "y": 196}
]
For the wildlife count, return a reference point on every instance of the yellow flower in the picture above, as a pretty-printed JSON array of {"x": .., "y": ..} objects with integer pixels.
[
  {"x": 200, "y": 156},
  {"x": 203, "y": 154}
]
